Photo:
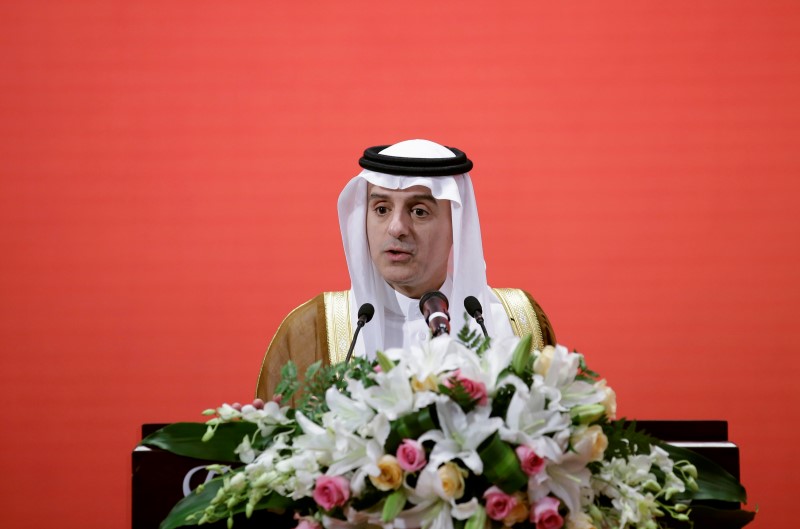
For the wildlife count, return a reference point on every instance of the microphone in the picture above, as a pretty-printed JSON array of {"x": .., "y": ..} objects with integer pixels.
[
  {"x": 365, "y": 313},
  {"x": 473, "y": 308},
  {"x": 433, "y": 306}
]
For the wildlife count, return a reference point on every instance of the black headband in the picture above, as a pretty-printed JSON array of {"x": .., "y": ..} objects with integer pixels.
[{"x": 399, "y": 165}]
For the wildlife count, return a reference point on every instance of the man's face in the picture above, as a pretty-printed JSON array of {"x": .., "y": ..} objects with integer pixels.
[{"x": 410, "y": 234}]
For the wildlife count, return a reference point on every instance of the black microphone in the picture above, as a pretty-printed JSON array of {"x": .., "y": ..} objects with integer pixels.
[
  {"x": 433, "y": 306},
  {"x": 473, "y": 307},
  {"x": 365, "y": 314}
]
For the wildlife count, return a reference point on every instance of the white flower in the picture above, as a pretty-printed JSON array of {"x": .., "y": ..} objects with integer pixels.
[
  {"x": 461, "y": 434},
  {"x": 392, "y": 395},
  {"x": 227, "y": 412},
  {"x": 350, "y": 414},
  {"x": 568, "y": 480},
  {"x": 245, "y": 451},
  {"x": 432, "y": 510},
  {"x": 434, "y": 357},
  {"x": 529, "y": 421},
  {"x": 488, "y": 367},
  {"x": 315, "y": 439},
  {"x": 560, "y": 375},
  {"x": 290, "y": 475},
  {"x": 268, "y": 418}
]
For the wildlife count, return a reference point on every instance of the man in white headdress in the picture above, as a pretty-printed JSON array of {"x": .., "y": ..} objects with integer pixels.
[{"x": 409, "y": 225}]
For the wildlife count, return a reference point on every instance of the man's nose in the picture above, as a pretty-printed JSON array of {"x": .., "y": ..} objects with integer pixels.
[{"x": 399, "y": 224}]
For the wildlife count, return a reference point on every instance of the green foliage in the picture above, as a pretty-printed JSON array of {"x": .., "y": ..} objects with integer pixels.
[
  {"x": 501, "y": 466},
  {"x": 411, "y": 426},
  {"x": 384, "y": 361},
  {"x": 624, "y": 439},
  {"x": 501, "y": 400},
  {"x": 584, "y": 373},
  {"x": 319, "y": 378},
  {"x": 182, "y": 438},
  {"x": 522, "y": 359},
  {"x": 288, "y": 384},
  {"x": 473, "y": 339},
  {"x": 705, "y": 516},
  {"x": 477, "y": 520},
  {"x": 458, "y": 393},
  {"x": 713, "y": 481},
  {"x": 393, "y": 505},
  {"x": 199, "y": 506}
]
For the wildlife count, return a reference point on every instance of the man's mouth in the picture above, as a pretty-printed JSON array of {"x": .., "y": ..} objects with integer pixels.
[{"x": 398, "y": 254}]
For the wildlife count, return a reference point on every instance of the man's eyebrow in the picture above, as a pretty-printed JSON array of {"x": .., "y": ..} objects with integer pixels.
[{"x": 420, "y": 197}]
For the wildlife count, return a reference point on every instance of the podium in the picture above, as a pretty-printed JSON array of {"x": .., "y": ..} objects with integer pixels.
[{"x": 161, "y": 479}]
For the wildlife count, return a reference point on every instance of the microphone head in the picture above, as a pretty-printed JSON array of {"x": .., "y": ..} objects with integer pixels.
[
  {"x": 366, "y": 311},
  {"x": 473, "y": 306},
  {"x": 430, "y": 295}
]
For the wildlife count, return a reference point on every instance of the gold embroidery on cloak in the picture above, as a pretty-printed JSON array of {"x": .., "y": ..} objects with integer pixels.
[
  {"x": 337, "y": 325},
  {"x": 521, "y": 315}
]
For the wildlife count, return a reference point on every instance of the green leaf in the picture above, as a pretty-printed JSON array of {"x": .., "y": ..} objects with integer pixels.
[
  {"x": 714, "y": 482},
  {"x": 383, "y": 361},
  {"x": 198, "y": 500},
  {"x": 587, "y": 413},
  {"x": 393, "y": 505},
  {"x": 704, "y": 516},
  {"x": 288, "y": 384},
  {"x": 411, "y": 426},
  {"x": 501, "y": 466},
  {"x": 183, "y": 438},
  {"x": 625, "y": 439},
  {"x": 521, "y": 358},
  {"x": 477, "y": 520},
  {"x": 194, "y": 503}
]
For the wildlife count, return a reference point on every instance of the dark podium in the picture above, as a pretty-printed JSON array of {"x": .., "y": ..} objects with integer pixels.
[{"x": 161, "y": 479}]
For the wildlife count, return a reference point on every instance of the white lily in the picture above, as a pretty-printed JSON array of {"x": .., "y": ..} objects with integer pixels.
[
  {"x": 362, "y": 457},
  {"x": 568, "y": 480},
  {"x": 392, "y": 395},
  {"x": 461, "y": 434},
  {"x": 487, "y": 368},
  {"x": 432, "y": 509},
  {"x": 529, "y": 421},
  {"x": 321, "y": 441},
  {"x": 561, "y": 376},
  {"x": 435, "y": 514},
  {"x": 351, "y": 414}
]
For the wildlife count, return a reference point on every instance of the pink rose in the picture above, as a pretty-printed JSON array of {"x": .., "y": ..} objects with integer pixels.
[
  {"x": 545, "y": 514},
  {"x": 498, "y": 503},
  {"x": 474, "y": 388},
  {"x": 411, "y": 455},
  {"x": 530, "y": 461},
  {"x": 306, "y": 523},
  {"x": 331, "y": 491}
]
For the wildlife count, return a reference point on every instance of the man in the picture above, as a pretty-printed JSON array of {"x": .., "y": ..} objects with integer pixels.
[{"x": 409, "y": 225}]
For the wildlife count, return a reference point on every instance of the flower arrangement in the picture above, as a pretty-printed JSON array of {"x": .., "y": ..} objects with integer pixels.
[{"x": 452, "y": 434}]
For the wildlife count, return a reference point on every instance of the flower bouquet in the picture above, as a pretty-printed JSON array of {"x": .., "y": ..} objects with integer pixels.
[{"x": 456, "y": 433}]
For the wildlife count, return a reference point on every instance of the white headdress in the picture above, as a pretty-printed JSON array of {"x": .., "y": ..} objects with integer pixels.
[{"x": 466, "y": 266}]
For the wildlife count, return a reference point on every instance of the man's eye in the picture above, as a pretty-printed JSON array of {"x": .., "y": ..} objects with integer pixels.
[
  {"x": 419, "y": 212},
  {"x": 381, "y": 210}
]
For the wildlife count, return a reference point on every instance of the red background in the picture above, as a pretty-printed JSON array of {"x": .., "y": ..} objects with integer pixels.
[{"x": 170, "y": 172}]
